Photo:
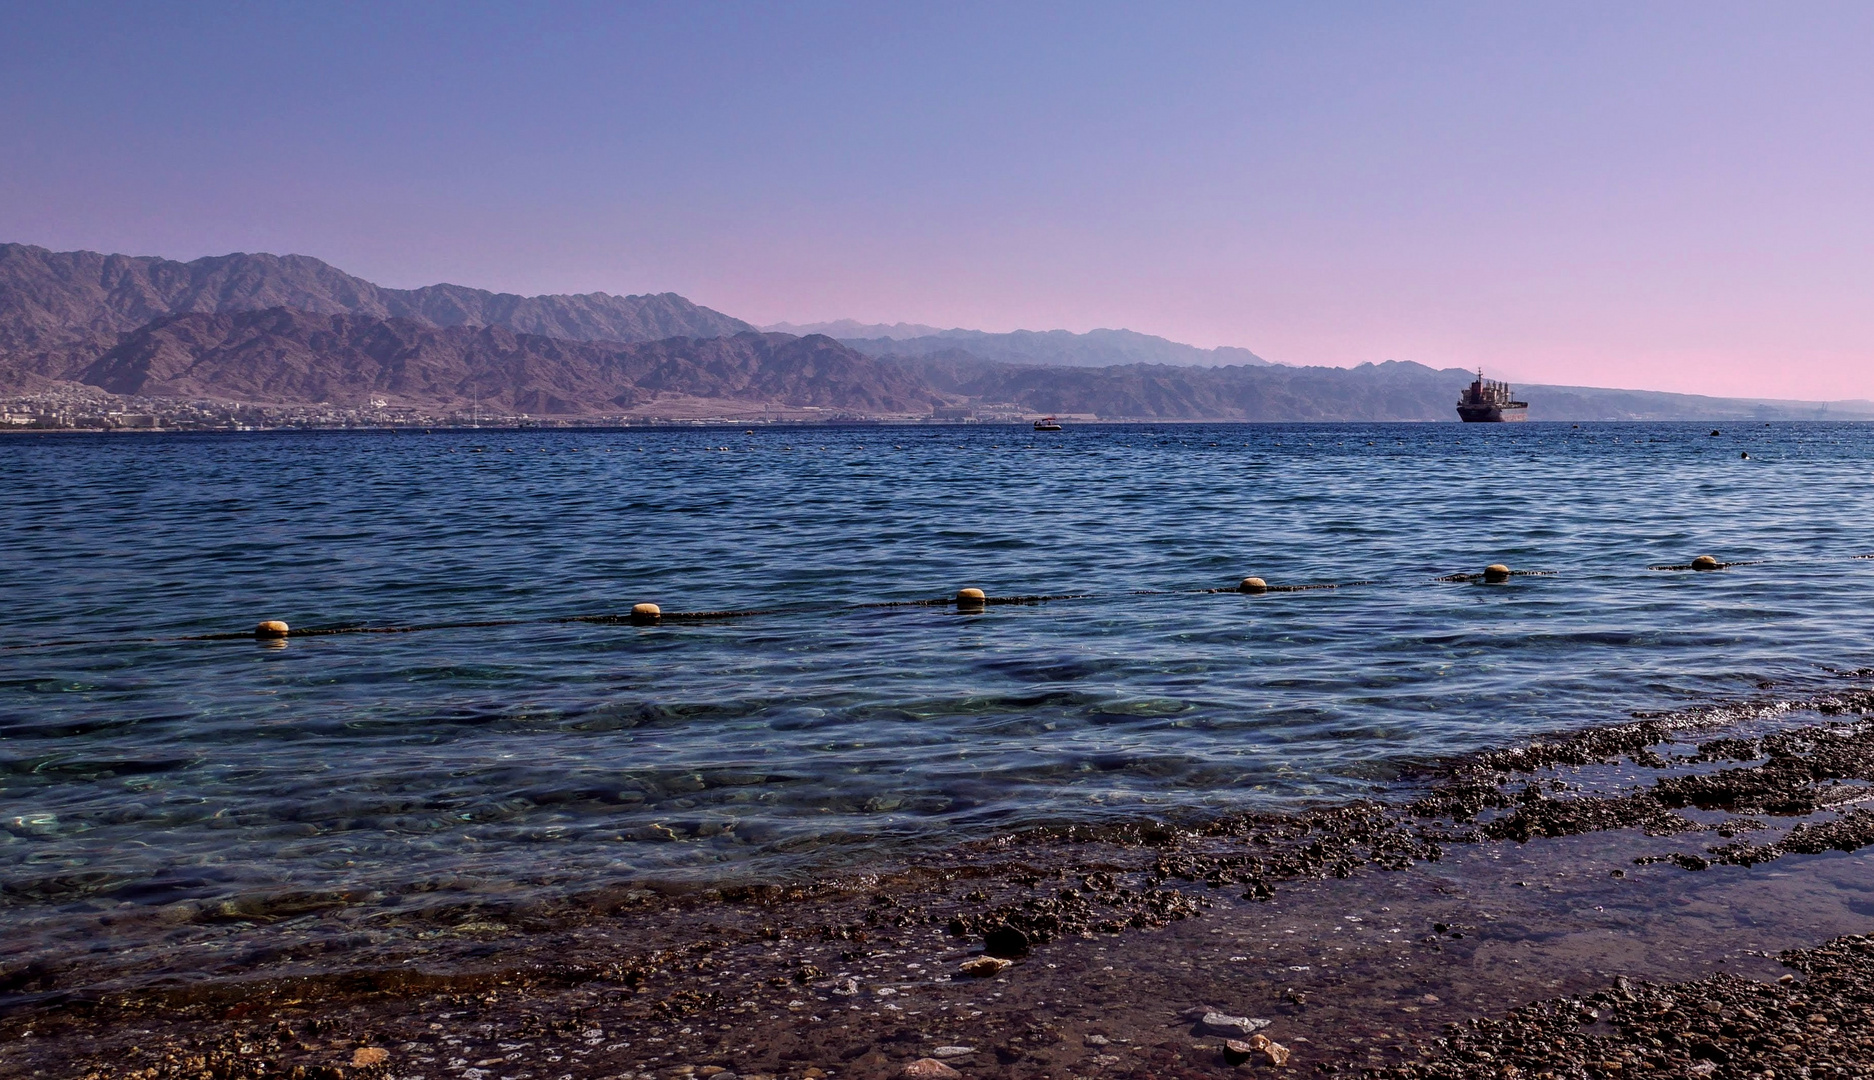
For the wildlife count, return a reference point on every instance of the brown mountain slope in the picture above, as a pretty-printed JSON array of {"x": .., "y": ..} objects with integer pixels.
[
  {"x": 59, "y": 310},
  {"x": 282, "y": 356}
]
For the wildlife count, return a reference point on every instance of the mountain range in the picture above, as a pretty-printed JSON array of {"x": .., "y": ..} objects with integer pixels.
[
  {"x": 282, "y": 355},
  {"x": 1053, "y": 348},
  {"x": 292, "y": 330},
  {"x": 59, "y": 310}
]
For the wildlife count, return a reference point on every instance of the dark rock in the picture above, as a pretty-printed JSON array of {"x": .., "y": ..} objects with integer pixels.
[{"x": 1006, "y": 942}]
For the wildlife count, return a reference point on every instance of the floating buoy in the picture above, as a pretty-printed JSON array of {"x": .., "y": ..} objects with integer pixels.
[
  {"x": 1253, "y": 585},
  {"x": 646, "y": 613},
  {"x": 1706, "y": 562},
  {"x": 1715, "y": 431},
  {"x": 1496, "y": 572},
  {"x": 971, "y": 599},
  {"x": 1745, "y": 455},
  {"x": 272, "y": 628}
]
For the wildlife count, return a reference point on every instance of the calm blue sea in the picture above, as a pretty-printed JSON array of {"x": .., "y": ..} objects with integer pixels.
[{"x": 136, "y": 767}]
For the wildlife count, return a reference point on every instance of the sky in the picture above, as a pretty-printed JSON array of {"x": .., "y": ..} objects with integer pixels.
[{"x": 1674, "y": 196}]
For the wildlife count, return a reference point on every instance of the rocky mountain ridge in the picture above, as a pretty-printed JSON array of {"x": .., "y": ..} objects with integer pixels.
[
  {"x": 58, "y": 308},
  {"x": 285, "y": 356}
]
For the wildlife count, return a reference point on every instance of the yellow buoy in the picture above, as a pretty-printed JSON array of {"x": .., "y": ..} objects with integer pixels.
[
  {"x": 1706, "y": 562},
  {"x": 1253, "y": 585},
  {"x": 1496, "y": 572},
  {"x": 646, "y": 613},
  {"x": 971, "y": 599},
  {"x": 272, "y": 628}
]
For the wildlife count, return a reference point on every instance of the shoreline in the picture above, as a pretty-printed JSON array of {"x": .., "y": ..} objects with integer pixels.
[{"x": 1495, "y": 887}]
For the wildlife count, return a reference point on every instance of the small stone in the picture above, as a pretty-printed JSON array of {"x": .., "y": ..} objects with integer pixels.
[
  {"x": 1235, "y": 1027},
  {"x": 952, "y": 1051},
  {"x": 710, "y": 1070},
  {"x": 366, "y": 1056},
  {"x": 984, "y": 966},
  {"x": 1097, "y": 1040},
  {"x": 1274, "y": 1051},
  {"x": 929, "y": 1069},
  {"x": 1236, "y": 1051}
]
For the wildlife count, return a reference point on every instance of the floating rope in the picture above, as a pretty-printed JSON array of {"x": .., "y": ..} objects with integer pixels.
[{"x": 966, "y": 601}]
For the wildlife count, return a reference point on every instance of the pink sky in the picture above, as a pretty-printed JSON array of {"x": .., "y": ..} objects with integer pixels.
[{"x": 1665, "y": 196}]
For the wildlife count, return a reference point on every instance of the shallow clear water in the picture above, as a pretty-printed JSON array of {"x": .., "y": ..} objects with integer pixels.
[{"x": 547, "y": 755}]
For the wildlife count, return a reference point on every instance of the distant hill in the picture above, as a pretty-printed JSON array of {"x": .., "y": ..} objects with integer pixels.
[
  {"x": 1389, "y": 391},
  {"x": 1095, "y": 348},
  {"x": 59, "y": 309},
  {"x": 283, "y": 356},
  {"x": 848, "y": 328},
  {"x": 1578, "y": 403}
]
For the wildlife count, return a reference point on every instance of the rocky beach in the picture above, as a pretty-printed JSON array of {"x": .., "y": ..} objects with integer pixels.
[{"x": 1682, "y": 895}]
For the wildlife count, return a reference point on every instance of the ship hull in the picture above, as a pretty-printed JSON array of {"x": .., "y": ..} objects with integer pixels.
[{"x": 1493, "y": 414}]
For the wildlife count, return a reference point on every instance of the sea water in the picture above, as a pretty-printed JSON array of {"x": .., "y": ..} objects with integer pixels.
[{"x": 141, "y": 764}]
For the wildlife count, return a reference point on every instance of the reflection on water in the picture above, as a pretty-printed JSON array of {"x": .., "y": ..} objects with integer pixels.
[{"x": 138, "y": 768}]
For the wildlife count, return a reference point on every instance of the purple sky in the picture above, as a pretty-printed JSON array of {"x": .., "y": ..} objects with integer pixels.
[{"x": 1669, "y": 196}]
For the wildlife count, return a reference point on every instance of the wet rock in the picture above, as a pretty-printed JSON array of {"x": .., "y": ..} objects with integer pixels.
[
  {"x": 982, "y": 967},
  {"x": 1235, "y": 1027},
  {"x": 1006, "y": 942},
  {"x": 953, "y": 1051},
  {"x": 929, "y": 1069},
  {"x": 1273, "y": 1051},
  {"x": 366, "y": 1056}
]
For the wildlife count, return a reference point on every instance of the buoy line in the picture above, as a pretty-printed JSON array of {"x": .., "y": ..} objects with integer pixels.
[{"x": 967, "y": 600}]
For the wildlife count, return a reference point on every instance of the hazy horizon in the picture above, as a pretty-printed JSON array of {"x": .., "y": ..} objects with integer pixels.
[{"x": 1663, "y": 197}]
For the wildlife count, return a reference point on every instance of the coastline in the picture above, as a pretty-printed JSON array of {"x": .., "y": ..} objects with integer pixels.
[{"x": 1689, "y": 856}]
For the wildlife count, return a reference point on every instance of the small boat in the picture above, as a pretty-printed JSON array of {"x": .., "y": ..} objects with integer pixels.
[{"x": 1047, "y": 423}]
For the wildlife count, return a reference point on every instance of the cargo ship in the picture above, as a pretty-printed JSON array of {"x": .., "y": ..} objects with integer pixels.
[{"x": 1488, "y": 402}]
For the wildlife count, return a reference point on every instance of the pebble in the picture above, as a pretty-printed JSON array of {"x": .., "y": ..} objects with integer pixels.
[
  {"x": 984, "y": 966},
  {"x": 952, "y": 1051},
  {"x": 1274, "y": 1051},
  {"x": 366, "y": 1056},
  {"x": 929, "y": 1069}
]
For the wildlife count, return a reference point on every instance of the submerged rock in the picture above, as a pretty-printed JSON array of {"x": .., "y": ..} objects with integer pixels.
[
  {"x": 982, "y": 967},
  {"x": 1236, "y": 1027}
]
